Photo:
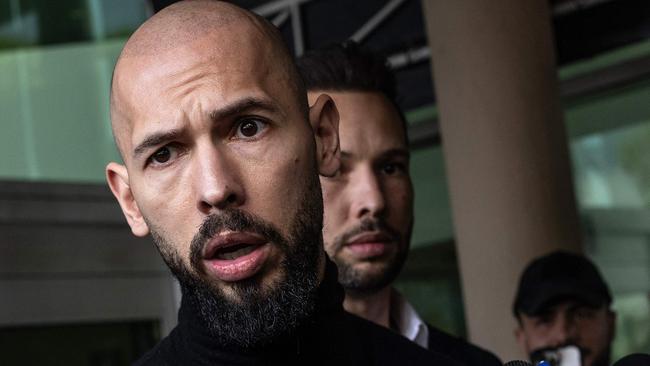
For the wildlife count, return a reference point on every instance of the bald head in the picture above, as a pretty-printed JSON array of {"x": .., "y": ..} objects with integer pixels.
[
  {"x": 185, "y": 21},
  {"x": 195, "y": 31}
]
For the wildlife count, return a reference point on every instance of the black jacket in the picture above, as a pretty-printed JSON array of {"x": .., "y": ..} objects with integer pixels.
[
  {"x": 460, "y": 350},
  {"x": 331, "y": 337}
]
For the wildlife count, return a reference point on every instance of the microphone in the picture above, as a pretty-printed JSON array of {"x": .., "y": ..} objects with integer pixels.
[
  {"x": 636, "y": 359},
  {"x": 518, "y": 363},
  {"x": 568, "y": 355}
]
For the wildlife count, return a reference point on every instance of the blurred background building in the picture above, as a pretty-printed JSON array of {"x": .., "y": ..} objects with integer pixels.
[{"x": 75, "y": 285}]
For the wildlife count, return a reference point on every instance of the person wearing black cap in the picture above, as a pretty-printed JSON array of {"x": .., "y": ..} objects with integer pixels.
[{"x": 561, "y": 301}]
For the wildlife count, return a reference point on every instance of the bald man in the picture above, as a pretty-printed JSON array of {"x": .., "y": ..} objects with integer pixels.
[{"x": 222, "y": 158}]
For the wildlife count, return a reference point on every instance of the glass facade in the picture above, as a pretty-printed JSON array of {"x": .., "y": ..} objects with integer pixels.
[
  {"x": 608, "y": 136},
  {"x": 56, "y": 61},
  {"x": 612, "y": 180}
]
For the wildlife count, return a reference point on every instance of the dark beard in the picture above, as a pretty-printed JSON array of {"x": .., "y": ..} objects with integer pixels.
[
  {"x": 358, "y": 283},
  {"x": 260, "y": 315}
]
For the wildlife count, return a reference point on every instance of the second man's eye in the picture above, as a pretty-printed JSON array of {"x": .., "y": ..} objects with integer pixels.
[
  {"x": 250, "y": 127},
  {"x": 389, "y": 169},
  {"x": 393, "y": 168}
]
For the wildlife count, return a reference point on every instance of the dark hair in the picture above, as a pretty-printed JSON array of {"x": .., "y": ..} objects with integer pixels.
[{"x": 348, "y": 67}]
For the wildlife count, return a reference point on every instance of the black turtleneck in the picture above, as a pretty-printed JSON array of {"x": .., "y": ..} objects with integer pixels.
[{"x": 330, "y": 337}]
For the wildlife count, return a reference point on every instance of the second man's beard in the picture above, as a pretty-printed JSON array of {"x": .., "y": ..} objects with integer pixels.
[
  {"x": 359, "y": 282},
  {"x": 261, "y": 313}
]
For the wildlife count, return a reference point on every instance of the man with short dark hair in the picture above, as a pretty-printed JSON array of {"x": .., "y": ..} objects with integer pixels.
[
  {"x": 369, "y": 202},
  {"x": 562, "y": 305},
  {"x": 221, "y": 162}
]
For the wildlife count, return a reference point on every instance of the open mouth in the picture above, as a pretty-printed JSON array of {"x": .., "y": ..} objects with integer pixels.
[
  {"x": 236, "y": 256},
  {"x": 235, "y": 251}
]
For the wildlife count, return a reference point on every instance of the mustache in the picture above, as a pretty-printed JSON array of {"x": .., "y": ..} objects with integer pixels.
[
  {"x": 231, "y": 220},
  {"x": 367, "y": 225}
]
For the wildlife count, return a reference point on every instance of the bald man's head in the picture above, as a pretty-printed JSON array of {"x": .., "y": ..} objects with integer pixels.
[
  {"x": 175, "y": 33},
  {"x": 221, "y": 162}
]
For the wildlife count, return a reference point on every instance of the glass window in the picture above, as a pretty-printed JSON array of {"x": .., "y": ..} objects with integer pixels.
[
  {"x": 612, "y": 179},
  {"x": 25, "y": 23},
  {"x": 56, "y": 62}
]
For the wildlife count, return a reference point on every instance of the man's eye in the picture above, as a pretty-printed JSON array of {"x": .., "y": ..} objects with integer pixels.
[
  {"x": 250, "y": 127},
  {"x": 392, "y": 168},
  {"x": 543, "y": 320},
  {"x": 162, "y": 156}
]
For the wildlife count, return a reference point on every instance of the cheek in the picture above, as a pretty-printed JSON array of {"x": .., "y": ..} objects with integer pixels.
[
  {"x": 277, "y": 186},
  {"x": 161, "y": 202},
  {"x": 535, "y": 341},
  {"x": 399, "y": 197},
  {"x": 333, "y": 197},
  {"x": 335, "y": 206},
  {"x": 595, "y": 334}
]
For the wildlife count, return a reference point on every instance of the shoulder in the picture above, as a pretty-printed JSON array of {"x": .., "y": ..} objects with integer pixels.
[
  {"x": 459, "y": 349},
  {"x": 152, "y": 357},
  {"x": 389, "y": 348},
  {"x": 158, "y": 356}
]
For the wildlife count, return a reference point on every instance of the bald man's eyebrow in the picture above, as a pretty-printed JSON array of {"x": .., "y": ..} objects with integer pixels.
[
  {"x": 154, "y": 140},
  {"x": 243, "y": 106},
  {"x": 236, "y": 108}
]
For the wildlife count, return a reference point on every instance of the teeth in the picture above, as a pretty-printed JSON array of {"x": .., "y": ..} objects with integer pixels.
[{"x": 235, "y": 251}]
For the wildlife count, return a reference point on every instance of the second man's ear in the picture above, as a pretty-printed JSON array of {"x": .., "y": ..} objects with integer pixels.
[{"x": 324, "y": 119}]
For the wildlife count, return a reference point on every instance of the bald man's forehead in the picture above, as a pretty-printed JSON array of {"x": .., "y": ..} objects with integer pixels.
[
  {"x": 236, "y": 47},
  {"x": 232, "y": 52},
  {"x": 221, "y": 40}
]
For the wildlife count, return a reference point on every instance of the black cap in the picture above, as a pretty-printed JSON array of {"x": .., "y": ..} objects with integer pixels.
[{"x": 560, "y": 275}]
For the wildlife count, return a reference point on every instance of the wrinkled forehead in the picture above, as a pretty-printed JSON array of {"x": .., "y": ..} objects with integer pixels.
[
  {"x": 223, "y": 50},
  {"x": 239, "y": 54}
]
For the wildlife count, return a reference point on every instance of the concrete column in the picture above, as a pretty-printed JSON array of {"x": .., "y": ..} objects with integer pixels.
[{"x": 505, "y": 151}]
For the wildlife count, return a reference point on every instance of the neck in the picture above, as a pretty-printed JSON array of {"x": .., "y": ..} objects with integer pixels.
[{"x": 374, "y": 307}]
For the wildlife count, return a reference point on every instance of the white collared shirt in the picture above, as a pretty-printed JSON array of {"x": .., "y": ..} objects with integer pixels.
[{"x": 409, "y": 323}]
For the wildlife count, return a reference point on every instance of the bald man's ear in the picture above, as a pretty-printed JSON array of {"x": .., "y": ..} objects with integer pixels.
[
  {"x": 324, "y": 119},
  {"x": 118, "y": 180}
]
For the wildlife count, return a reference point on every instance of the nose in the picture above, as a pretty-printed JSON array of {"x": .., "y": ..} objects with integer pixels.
[
  {"x": 216, "y": 181},
  {"x": 366, "y": 195}
]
